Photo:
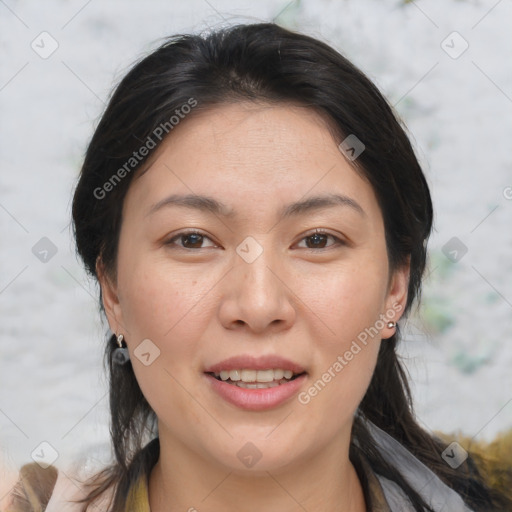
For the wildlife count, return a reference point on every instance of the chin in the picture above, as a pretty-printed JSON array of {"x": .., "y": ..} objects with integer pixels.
[{"x": 246, "y": 455}]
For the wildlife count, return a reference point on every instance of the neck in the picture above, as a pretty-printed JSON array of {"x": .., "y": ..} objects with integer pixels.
[{"x": 183, "y": 481}]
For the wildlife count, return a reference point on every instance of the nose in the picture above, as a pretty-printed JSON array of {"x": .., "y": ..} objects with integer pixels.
[{"x": 257, "y": 296}]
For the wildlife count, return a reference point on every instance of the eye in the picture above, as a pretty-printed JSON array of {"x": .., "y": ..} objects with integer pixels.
[
  {"x": 195, "y": 239},
  {"x": 189, "y": 240},
  {"x": 318, "y": 240}
]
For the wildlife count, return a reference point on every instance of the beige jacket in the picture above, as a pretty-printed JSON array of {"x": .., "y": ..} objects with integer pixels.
[{"x": 36, "y": 490}]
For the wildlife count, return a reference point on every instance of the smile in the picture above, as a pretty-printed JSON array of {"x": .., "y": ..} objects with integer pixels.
[{"x": 256, "y": 379}]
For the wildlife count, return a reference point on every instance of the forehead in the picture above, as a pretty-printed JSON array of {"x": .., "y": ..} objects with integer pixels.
[
  {"x": 237, "y": 131},
  {"x": 251, "y": 154}
]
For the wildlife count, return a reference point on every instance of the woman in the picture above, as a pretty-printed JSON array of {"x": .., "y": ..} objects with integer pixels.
[{"x": 257, "y": 221}]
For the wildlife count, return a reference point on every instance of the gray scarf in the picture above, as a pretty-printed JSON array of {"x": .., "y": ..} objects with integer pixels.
[{"x": 428, "y": 485}]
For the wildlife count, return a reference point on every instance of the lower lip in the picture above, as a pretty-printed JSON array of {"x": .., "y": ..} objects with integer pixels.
[{"x": 256, "y": 399}]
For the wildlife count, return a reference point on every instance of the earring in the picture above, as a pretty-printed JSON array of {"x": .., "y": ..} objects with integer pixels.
[
  {"x": 120, "y": 355},
  {"x": 390, "y": 325}
]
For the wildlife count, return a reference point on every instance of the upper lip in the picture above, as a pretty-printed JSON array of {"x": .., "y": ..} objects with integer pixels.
[{"x": 248, "y": 362}]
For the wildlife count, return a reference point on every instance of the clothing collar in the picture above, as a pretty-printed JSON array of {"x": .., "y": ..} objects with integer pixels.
[
  {"x": 138, "y": 498},
  {"x": 381, "y": 494}
]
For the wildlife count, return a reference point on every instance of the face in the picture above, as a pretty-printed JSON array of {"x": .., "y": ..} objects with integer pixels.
[{"x": 278, "y": 282}]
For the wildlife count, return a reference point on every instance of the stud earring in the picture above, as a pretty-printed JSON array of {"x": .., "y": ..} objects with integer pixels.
[
  {"x": 120, "y": 355},
  {"x": 390, "y": 325}
]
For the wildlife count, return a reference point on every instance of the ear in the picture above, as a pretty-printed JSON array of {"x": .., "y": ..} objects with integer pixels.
[
  {"x": 110, "y": 298},
  {"x": 397, "y": 296}
]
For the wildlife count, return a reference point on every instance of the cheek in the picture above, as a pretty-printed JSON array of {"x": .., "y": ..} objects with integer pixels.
[
  {"x": 159, "y": 301},
  {"x": 167, "y": 307},
  {"x": 345, "y": 300},
  {"x": 172, "y": 308},
  {"x": 347, "y": 304}
]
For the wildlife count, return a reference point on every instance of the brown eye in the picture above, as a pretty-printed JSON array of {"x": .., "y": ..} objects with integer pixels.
[
  {"x": 189, "y": 240},
  {"x": 192, "y": 241},
  {"x": 320, "y": 240},
  {"x": 317, "y": 240}
]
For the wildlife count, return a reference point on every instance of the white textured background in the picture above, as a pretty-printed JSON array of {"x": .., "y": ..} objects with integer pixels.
[{"x": 458, "y": 110}]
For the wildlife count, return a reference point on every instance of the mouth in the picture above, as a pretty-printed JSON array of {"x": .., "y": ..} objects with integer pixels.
[
  {"x": 256, "y": 379},
  {"x": 256, "y": 383}
]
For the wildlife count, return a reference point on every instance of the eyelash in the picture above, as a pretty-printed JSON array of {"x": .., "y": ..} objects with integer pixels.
[{"x": 181, "y": 234}]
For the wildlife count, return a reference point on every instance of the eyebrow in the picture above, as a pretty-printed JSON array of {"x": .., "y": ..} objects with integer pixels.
[{"x": 211, "y": 205}]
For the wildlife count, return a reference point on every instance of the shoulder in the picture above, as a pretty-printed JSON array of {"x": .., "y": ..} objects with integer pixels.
[
  {"x": 30, "y": 489},
  {"x": 51, "y": 489},
  {"x": 8, "y": 478},
  {"x": 68, "y": 490}
]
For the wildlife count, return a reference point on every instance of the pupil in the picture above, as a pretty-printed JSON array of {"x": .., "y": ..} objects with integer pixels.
[
  {"x": 196, "y": 239},
  {"x": 318, "y": 239}
]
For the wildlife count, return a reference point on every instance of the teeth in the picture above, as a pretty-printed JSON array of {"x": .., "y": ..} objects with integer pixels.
[
  {"x": 257, "y": 385},
  {"x": 265, "y": 375},
  {"x": 278, "y": 374},
  {"x": 235, "y": 375},
  {"x": 255, "y": 377},
  {"x": 248, "y": 375}
]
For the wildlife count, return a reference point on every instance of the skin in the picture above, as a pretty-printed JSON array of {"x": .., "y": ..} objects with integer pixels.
[{"x": 199, "y": 302}]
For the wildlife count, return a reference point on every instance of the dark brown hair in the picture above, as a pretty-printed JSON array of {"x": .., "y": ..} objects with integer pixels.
[{"x": 265, "y": 63}]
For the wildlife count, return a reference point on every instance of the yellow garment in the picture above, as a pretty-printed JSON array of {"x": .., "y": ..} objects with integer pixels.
[{"x": 138, "y": 497}]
